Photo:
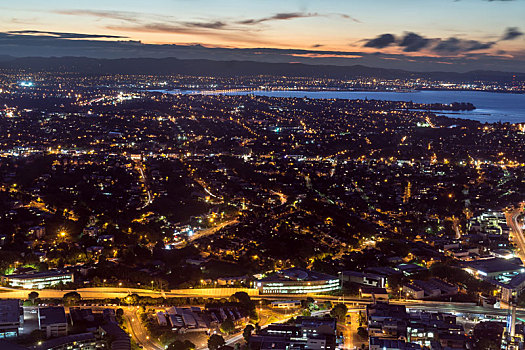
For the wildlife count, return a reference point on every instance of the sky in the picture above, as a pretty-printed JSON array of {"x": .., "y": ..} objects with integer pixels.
[{"x": 451, "y": 35}]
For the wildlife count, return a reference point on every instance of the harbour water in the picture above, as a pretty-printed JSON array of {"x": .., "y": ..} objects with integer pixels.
[{"x": 491, "y": 107}]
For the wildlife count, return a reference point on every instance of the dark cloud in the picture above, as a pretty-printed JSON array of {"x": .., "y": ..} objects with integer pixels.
[
  {"x": 278, "y": 17},
  {"x": 345, "y": 16},
  {"x": 413, "y": 42},
  {"x": 314, "y": 46},
  {"x": 119, "y": 15},
  {"x": 455, "y": 45},
  {"x": 512, "y": 33},
  {"x": 381, "y": 41},
  {"x": 207, "y": 25},
  {"x": 65, "y": 35}
]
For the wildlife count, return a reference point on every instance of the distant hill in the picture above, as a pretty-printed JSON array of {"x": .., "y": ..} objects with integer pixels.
[{"x": 233, "y": 68}]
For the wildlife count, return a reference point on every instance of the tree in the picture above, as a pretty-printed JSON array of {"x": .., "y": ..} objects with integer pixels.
[
  {"x": 181, "y": 345},
  {"x": 71, "y": 298},
  {"x": 215, "y": 342},
  {"x": 247, "y": 332},
  {"x": 37, "y": 335},
  {"x": 307, "y": 312},
  {"x": 227, "y": 326},
  {"x": 362, "y": 333},
  {"x": 119, "y": 316},
  {"x": 246, "y": 304},
  {"x": 132, "y": 299},
  {"x": 96, "y": 281},
  {"x": 339, "y": 311},
  {"x": 309, "y": 303},
  {"x": 33, "y": 296}
]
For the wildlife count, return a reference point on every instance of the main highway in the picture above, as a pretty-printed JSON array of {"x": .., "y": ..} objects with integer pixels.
[
  {"x": 140, "y": 334},
  {"x": 517, "y": 231}
]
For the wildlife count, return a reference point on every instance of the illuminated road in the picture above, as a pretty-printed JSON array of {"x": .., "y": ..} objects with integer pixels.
[
  {"x": 212, "y": 230},
  {"x": 115, "y": 292},
  {"x": 146, "y": 185},
  {"x": 138, "y": 332},
  {"x": 517, "y": 232}
]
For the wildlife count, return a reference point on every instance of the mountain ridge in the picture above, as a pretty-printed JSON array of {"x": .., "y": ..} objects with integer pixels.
[{"x": 172, "y": 65}]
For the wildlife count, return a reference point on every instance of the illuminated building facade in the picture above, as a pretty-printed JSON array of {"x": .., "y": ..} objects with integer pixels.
[
  {"x": 297, "y": 281},
  {"x": 38, "y": 280}
]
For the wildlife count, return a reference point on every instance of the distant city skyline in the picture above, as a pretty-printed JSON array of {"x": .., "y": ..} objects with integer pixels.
[{"x": 414, "y": 35}]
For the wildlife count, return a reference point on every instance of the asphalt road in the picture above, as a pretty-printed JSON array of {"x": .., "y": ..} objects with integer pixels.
[
  {"x": 517, "y": 232},
  {"x": 116, "y": 292},
  {"x": 138, "y": 332}
]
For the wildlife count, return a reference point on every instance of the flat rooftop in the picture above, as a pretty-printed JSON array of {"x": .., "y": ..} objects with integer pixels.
[
  {"x": 494, "y": 265},
  {"x": 297, "y": 274},
  {"x": 38, "y": 274},
  {"x": 52, "y": 315},
  {"x": 9, "y": 311}
]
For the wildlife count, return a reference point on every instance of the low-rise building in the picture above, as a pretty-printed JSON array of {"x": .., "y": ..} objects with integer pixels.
[
  {"x": 492, "y": 268},
  {"x": 297, "y": 281},
  {"x": 82, "y": 341},
  {"x": 373, "y": 293},
  {"x": 304, "y": 333},
  {"x": 11, "y": 317},
  {"x": 38, "y": 280},
  {"x": 392, "y": 327},
  {"x": 286, "y": 304},
  {"x": 434, "y": 287},
  {"x": 365, "y": 279},
  {"x": 53, "y": 321},
  {"x": 391, "y": 344}
]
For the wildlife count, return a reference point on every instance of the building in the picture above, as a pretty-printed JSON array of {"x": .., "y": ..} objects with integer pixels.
[
  {"x": 6, "y": 345},
  {"x": 364, "y": 279},
  {"x": 120, "y": 340},
  {"x": 286, "y": 304},
  {"x": 511, "y": 286},
  {"x": 297, "y": 281},
  {"x": 230, "y": 281},
  {"x": 493, "y": 268},
  {"x": 386, "y": 320},
  {"x": 432, "y": 288},
  {"x": 411, "y": 269},
  {"x": 186, "y": 318},
  {"x": 392, "y": 327},
  {"x": 11, "y": 318},
  {"x": 373, "y": 293},
  {"x": 82, "y": 341},
  {"x": 38, "y": 280},
  {"x": 490, "y": 223},
  {"x": 37, "y": 231},
  {"x": 305, "y": 333},
  {"x": 431, "y": 328},
  {"x": 53, "y": 321},
  {"x": 391, "y": 344}
]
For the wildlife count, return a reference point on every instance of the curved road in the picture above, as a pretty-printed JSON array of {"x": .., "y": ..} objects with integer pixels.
[{"x": 138, "y": 331}]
